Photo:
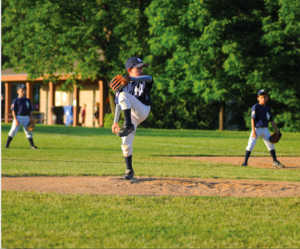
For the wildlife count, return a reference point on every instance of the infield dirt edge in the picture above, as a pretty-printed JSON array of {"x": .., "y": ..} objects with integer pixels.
[
  {"x": 260, "y": 162},
  {"x": 152, "y": 186}
]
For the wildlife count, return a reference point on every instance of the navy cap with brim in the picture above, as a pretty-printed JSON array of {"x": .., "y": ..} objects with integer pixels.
[
  {"x": 135, "y": 62},
  {"x": 141, "y": 65},
  {"x": 21, "y": 86},
  {"x": 261, "y": 92}
]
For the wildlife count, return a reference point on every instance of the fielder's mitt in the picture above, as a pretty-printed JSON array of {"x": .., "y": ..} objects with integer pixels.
[
  {"x": 31, "y": 125},
  {"x": 119, "y": 82},
  {"x": 275, "y": 138}
]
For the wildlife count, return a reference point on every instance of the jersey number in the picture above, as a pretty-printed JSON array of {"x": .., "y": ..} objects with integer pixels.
[{"x": 138, "y": 90}]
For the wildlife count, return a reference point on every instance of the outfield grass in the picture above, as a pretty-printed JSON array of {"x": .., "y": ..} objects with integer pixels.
[
  {"x": 65, "y": 151},
  {"x": 31, "y": 220},
  {"x": 85, "y": 221}
]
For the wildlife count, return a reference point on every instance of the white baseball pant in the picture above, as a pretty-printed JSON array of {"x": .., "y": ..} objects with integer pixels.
[
  {"x": 23, "y": 120},
  {"x": 139, "y": 112},
  {"x": 260, "y": 132}
]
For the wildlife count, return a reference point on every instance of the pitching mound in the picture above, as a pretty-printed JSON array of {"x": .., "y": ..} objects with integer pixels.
[
  {"x": 152, "y": 186},
  {"x": 260, "y": 162}
]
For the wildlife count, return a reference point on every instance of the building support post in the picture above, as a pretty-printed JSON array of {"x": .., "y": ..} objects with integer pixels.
[
  {"x": 103, "y": 95},
  {"x": 75, "y": 106},
  {"x": 51, "y": 103},
  {"x": 7, "y": 102},
  {"x": 29, "y": 91}
]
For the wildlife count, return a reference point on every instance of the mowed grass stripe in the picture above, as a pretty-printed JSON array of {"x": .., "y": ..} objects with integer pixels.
[
  {"x": 82, "y": 221},
  {"x": 78, "y": 151}
]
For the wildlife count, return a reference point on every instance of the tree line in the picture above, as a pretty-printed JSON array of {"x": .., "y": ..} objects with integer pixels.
[{"x": 208, "y": 58}]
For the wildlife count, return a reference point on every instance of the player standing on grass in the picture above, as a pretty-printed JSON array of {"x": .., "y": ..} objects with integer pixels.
[
  {"x": 22, "y": 113},
  {"x": 134, "y": 100},
  {"x": 260, "y": 117}
]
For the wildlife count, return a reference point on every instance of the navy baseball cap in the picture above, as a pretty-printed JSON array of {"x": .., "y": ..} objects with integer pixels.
[
  {"x": 21, "y": 86},
  {"x": 262, "y": 91},
  {"x": 135, "y": 62}
]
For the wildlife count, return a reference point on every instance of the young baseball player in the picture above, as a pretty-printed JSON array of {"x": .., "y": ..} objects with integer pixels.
[
  {"x": 260, "y": 117},
  {"x": 134, "y": 100},
  {"x": 22, "y": 113}
]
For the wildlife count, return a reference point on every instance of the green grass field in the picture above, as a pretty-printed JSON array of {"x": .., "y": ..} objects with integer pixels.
[{"x": 55, "y": 220}]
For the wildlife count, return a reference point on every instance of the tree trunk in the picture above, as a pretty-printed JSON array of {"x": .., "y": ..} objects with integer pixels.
[
  {"x": 222, "y": 116},
  {"x": 112, "y": 103}
]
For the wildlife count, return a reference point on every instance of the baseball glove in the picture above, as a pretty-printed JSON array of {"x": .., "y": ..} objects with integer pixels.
[
  {"x": 119, "y": 82},
  {"x": 275, "y": 138},
  {"x": 31, "y": 125}
]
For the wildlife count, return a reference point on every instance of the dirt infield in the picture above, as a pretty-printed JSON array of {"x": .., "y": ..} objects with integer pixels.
[
  {"x": 260, "y": 162},
  {"x": 152, "y": 186}
]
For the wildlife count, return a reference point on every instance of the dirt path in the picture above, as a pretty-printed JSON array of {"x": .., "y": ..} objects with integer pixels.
[
  {"x": 260, "y": 162},
  {"x": 152, "y": 186}
]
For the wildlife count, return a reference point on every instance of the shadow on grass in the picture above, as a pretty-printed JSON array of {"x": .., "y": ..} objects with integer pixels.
[
  {"x": 210, "y": 155},
  {"x": 66, "y": 161},
  {"x": 59, "y": 149},
  {"x": 179, "y": 181},
  {"x": 89, "y": 131},
  {"x": 65, "y": 130},
  {"x": 202, "y": 155}
]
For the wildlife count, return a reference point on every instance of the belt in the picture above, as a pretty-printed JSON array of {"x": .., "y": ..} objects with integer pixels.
[{"x": 261, "y": 127}]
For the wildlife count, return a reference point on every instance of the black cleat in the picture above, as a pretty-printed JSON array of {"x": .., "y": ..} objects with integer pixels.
[
  {"x": 129, "y": 173},
  {"x": 244, "y": 164},
  {"x": 126, "y": 130},
  {"x": 34, "y": 147},
  {"x": 7, "y": 147},
  {"x": 277, "y": 164}
]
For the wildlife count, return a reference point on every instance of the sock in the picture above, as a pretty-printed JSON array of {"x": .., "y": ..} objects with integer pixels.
[
  {"x": 31, "y": 141},
  {"x": 127, "y": 114},
  {"x": 247, "y": 155},
  {"x": 273, "y": 154},
  {"x": 128, "y": 161},
  {"x": 8, "y": 141}
]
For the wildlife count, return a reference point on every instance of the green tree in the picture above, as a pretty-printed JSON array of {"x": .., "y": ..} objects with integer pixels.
[
  {"x": 90, "y": 38},
  {"x": 279, "y": 70},
  {"x": 203, "y": 39},
  {"x": 202, "y": 53},
  {"x": 227, "y": 50},
  {"x": 178, "y": 106}
]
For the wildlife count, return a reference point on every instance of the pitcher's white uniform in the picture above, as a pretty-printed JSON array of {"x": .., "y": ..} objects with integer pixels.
[
  {"x": 134, "y": 100},
  {"x": 135, "y": 96}
]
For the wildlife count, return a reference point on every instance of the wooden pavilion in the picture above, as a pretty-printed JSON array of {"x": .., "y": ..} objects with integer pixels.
[{"x": 51, "y": 96}]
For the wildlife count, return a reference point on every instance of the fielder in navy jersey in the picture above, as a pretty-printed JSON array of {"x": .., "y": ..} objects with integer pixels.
[
  {"x": 22, "y": 113},
  {"x": 135, "y": 101},
  {"x": 261, "y": 115}
]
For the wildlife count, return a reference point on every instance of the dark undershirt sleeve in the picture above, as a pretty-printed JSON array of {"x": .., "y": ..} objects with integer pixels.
[
  {"x": 14, "y": 105},
  {"x": 146, "y": 78},
  {"x": 253, "y": 112},
  {"x": 271, "y": 116},
  {"x": 31, "y": 106}
]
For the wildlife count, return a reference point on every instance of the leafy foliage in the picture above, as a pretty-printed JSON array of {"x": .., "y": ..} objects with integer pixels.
[
  {"x": 227, "y": 50},
  {"x": 201, "y": 52},
  {"x": 88, "y": 38}
]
